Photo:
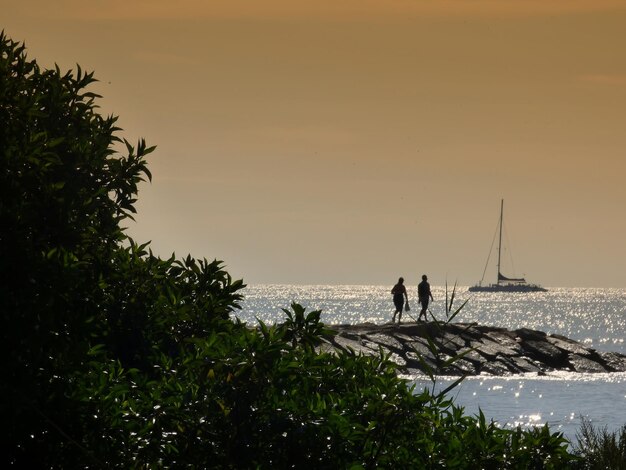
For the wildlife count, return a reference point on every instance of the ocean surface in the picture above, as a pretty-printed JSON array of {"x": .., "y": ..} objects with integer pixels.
[{"x": 596, "y": 317}]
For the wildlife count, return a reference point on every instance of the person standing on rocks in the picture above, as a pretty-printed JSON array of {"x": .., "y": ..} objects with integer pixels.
[
  {"x": 423, "y": 296},
  {"x": 399, "y": 296}
]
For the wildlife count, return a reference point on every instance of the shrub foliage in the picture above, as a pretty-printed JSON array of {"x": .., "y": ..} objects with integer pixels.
[
  {"x": 116, "y": 358},
  {"x": 599, "y": 448}
]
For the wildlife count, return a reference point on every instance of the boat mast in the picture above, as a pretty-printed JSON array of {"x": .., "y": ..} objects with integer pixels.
[{"x": 500, "y": 239}]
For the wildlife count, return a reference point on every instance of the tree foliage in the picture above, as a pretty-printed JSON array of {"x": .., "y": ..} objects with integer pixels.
[{"x": 116, "y": 358}]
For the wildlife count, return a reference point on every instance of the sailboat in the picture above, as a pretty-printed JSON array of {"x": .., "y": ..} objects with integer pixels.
[{"x": 503, "y": 283}]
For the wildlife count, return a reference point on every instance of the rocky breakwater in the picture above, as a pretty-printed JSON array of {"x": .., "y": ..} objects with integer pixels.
[{"x": 482, "y": 349}]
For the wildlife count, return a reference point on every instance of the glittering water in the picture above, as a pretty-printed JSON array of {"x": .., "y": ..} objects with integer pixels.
[
  {"x": 559, "y": 399},
  {"x": 596, "y": 317}
]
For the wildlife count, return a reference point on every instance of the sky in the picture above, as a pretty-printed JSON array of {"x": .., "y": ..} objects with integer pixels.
[{"x": 356, "y": 141}]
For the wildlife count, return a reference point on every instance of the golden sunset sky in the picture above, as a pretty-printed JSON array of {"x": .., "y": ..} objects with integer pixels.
[{"x": 351, "y": 142}]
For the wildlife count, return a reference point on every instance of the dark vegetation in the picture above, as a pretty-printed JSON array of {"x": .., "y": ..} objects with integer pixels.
[
  {"x": 116, "y": 358},
  {"x": 599, "y": 449}
]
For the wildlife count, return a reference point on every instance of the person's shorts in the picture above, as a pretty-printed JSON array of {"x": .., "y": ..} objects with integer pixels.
[
  {"x": 398, "y": 302},
  {"x": 424, "y": 302}
]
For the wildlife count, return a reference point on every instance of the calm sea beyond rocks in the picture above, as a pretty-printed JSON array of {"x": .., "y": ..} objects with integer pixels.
[{"x": 485, "y": 350}]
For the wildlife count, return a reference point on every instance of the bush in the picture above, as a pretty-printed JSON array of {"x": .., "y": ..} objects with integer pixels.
[
  {"x": 74, "y": 287},
  {"x": 599, "y": 448},
  {"x": 116, "y": 358}
]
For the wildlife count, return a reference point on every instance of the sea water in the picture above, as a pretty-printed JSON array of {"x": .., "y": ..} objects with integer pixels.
[{"x": 595, "y": 317}]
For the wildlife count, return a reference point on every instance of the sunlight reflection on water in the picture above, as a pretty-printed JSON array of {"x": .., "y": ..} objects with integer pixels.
[
  {"x": 594, "y": 316},
  {"x": 559, "y": 399}
]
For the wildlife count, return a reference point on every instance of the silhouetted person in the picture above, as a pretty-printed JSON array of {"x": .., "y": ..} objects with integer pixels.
[
  {"x": 424, "y": 296},
  {"x": 399, "y": 296}
]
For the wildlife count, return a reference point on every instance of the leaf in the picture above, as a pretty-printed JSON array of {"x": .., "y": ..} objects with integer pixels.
[{"x": 458, "y": 310}]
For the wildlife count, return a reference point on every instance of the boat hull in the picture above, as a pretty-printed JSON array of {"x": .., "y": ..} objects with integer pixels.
[{"x": 508, "y": 288}]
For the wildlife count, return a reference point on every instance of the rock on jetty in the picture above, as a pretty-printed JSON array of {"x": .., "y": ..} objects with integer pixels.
[{"x": 483, "y": 349}]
